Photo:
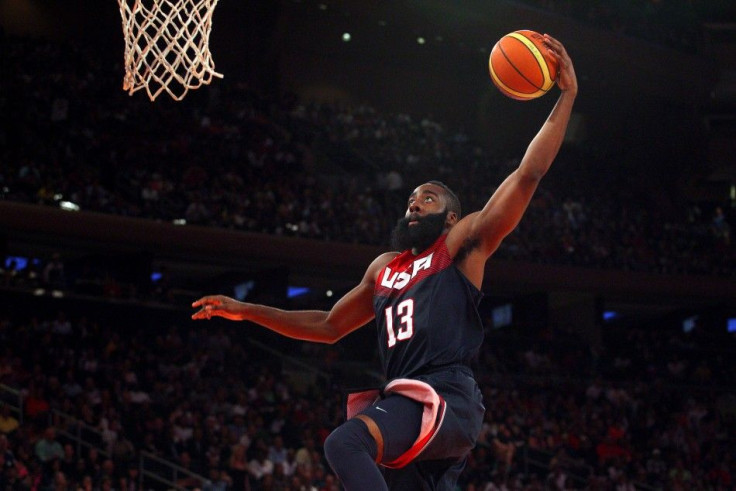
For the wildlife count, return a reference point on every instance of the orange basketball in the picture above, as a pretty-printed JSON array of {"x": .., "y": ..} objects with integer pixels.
[{"x": 521, "y": 66}]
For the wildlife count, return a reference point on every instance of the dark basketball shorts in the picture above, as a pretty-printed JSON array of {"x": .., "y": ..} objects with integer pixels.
[{"x": 442, "y": 461}]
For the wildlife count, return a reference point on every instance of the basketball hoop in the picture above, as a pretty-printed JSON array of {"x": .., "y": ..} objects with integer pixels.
[{"x": 167, "y": 46}]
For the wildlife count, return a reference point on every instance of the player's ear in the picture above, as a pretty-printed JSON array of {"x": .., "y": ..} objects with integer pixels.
[{"x": 450, "y": 218}]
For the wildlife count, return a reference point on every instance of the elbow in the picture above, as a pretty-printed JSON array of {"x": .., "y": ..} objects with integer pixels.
[
  {"x": 535, "y": 177},
  {"x": 331, "y": 334},
  {"x": 531, "y": 175},
  {"x": 332, "y": 338}
]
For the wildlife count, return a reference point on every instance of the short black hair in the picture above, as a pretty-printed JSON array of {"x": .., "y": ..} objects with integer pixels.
[{"x": 453, "y": 203}]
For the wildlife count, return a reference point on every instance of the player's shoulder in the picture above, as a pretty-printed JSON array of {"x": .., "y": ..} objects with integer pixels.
[
  {"x": 379, "y": 263},
  {"x": 384, "y": 259}
]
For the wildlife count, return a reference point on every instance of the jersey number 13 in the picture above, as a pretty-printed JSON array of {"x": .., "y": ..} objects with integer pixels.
[{"x": 405, "y": 321}]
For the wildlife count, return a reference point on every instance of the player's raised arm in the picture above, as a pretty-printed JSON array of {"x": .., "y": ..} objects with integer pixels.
[
  {"x": 352, "y": 311},
  {"x": 508, "y": 203}
]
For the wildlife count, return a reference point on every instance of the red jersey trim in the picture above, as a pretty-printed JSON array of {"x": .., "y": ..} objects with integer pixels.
[
  {"x": 433, "y": 414},
  {"x": 406, "y": 270}
]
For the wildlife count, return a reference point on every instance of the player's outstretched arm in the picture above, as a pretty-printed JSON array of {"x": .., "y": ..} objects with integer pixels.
[
  {"x": 352, "y": 311},
  {"x": 544, "y": 146},
  {"x": 508, "y": 203}
]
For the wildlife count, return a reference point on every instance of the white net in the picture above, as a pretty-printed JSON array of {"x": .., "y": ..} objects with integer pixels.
[{"x": 167, "y": 46}]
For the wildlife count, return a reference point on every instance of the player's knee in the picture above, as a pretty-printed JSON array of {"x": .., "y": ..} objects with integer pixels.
[{"x": 349, "y": 438}]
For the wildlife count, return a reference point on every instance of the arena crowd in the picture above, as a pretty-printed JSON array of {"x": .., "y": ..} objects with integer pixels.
[
  {"x": 654, "y": 409},
  {"x": 282, "y": 166}
]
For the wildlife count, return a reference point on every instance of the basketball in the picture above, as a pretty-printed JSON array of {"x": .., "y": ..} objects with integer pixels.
[{"x": 521, "y": 67}]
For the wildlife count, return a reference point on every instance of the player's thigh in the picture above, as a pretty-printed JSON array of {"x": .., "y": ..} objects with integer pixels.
[{"x": 399, "y": 420}]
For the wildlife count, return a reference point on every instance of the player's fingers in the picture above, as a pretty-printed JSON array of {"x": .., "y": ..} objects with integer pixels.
[
  {"x": 555, "y": 45},
  {"x": 553, "y": 51},
  {"x": 203, "y": 313},
  {"x": 562, "y": 58},
  {"x": 552, "y": 41},
  {"x": 207, "y": 301}
]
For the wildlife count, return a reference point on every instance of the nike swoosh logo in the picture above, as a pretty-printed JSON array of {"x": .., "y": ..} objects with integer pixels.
[{"x": 381, "y": 409}]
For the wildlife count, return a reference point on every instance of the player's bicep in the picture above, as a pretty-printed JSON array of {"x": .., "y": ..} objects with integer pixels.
[{"x": 503, "y": 211}]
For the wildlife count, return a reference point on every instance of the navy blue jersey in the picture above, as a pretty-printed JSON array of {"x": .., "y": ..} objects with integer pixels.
[{"x": 426, "y": 313}]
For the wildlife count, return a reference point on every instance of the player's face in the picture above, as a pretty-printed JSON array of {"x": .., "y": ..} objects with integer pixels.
[
  {"x": 426, "y": 199},
  {"x": 425, "y": 220}
]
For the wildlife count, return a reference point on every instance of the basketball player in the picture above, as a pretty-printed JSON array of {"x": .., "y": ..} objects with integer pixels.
[{"x": 421, "y": 425}]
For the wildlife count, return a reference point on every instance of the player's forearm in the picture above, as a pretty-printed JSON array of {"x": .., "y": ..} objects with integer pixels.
[
  {"x": 546, "y": 144},
  {"x": 306, "y": 325}
]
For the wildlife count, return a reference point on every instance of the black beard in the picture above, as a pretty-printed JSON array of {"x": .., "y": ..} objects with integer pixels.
[{"x": 418, "y": 236}]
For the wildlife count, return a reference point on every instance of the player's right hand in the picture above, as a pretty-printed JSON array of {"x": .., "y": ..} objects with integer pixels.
[
  {"x": 217, "y": 306},
  {"x": 566, "y": 79}
]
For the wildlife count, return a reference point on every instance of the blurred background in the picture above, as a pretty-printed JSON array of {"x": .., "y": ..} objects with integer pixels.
[{"x": 610, "y": 312}]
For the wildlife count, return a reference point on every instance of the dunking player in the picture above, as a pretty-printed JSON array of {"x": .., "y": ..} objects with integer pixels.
[{"x": 421, "y": 425}]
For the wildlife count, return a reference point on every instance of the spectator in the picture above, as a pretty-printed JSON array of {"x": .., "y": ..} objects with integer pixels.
[
  {"x": 303, "y": 456},
  {"x": 47, "y": 448},
  {"x": 122, "y": 451},
  {"x": 656, "y": 469},
  {"x": 68, "y": 464},
  {"x": 276, "y": 451},
  {"x": 238, "y": 467},
  {"x": 260, "y": 465},
  {"x": 36, "y": 404},
  {"x": 49, "y": 453},
  {"x": 8, "y": 423},
  {"x": 93, "y": 465},
  {"x": 218, "y": 481}
]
